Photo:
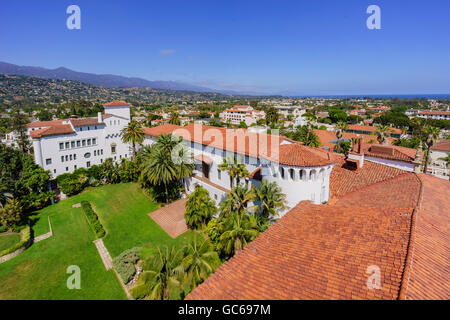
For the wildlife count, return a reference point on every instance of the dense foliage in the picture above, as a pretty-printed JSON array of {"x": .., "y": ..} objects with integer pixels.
[
  {"x": 124, "y": 264},
  {"x": 93, "y": 219}
]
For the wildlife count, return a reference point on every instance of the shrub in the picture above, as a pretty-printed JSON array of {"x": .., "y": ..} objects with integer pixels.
[
  {"x": 93, "y": 219},
  {"x": 124, "y": 264},
  {"x": 25, "y": 236},
  {"x": 141, "y": 291},
  {"x": 3, "y": 229}
]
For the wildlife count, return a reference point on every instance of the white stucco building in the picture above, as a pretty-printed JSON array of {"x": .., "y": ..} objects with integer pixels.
[
  {"x": 303, "y": 173},
  {"x": 62, "y": 146},
  {"x": 239, "y": 114}
]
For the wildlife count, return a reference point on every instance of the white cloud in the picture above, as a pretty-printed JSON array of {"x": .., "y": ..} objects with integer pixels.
[{"x": 167, "y": 51}]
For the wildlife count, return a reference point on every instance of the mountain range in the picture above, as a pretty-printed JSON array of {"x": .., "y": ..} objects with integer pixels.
[{"x": 106, "y": 80}]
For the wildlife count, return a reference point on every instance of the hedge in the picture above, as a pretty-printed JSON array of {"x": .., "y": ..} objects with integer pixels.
[
  {"x": 93, "y": 219},
  {"x": 124, "y": 264},
  {"x": 3, "y": 229},
  {"x": 25, "y": 236}
]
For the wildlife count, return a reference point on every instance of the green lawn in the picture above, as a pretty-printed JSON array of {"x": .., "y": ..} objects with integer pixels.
[
  {"x": 7, "y": 241},
  {"x": 40, "y": 272}
]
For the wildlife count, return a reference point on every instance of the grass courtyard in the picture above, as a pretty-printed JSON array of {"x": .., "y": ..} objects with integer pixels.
[
  {"x": 8, "y": 240},
  {"x": 40, "y": 272}
]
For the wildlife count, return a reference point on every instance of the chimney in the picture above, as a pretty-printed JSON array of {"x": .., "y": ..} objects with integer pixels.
[
  {"x": 357, "y": 154},
  {"x": 99, "y": 117}
]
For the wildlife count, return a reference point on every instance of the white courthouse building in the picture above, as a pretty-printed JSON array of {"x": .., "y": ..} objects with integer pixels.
[
  {"x": 303, "y": 173},
  {"x": 62, "y": 146}
]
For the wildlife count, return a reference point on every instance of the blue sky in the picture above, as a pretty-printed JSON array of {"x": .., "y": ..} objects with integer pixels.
[{"x": 315, "y": 47}]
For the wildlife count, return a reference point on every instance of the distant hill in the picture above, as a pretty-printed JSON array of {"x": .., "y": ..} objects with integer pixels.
[{"x": 106, "y": 80}]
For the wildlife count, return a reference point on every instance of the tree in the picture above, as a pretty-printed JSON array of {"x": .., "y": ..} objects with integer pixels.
[
  {"x": 433, "y": 134},
  {"x": 162, "y": 276},
  {"x": 133, "y": 133},
  {"x": 269, "y": 198},
  {"x": 238, "y": 231},
  {"x": 199, "y": 262},
  {"x": 337, "y": 115},
  {"x": 174, "y": 119},
  {"x": 199, "y": 208},
  {"x": 382, "y": 132},
  {"x": 4, "y": 197},
  {"x": 272, "y": 116},
  {"x": 18, "y": 125},
  {"x": 236, "y": 201},
  {"x": 306, "y": 135},
  {"x": 340, "y": 126},
  {"x": 11, "y": 214},
  {"x": 159, "y": 168},
  {"x": 44, "y": 115},
  {"x": 236, "y": 169}
]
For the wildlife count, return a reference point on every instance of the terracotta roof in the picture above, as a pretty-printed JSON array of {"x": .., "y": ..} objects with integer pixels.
[
  {"x": 39, "y": 124},
  {"x": 85, "y": 122},
  {"x": 299, "y": 155},
  {"x": 443, "y": 145},
  {"x": 398, "y": 153},
  {"x": 247, "y": 143},
  {"x": 54, "y": 130},
  {"x": 203, "y": 158},
  {"x": 116, "y": 103},
  {"x": 435, "y": 112},
  {"x": 325, "y": 252},
  {"x": 370, "y": 128},
  {"x": 428, "y": 273},
  {"x": 343, "y": 180},
  {"x": 326, "y": 137}
]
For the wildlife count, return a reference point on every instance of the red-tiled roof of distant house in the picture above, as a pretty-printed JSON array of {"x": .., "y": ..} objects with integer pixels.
[
  {"x": 443, "y": 145},
  {"x": 435, "y": 113},
  {"x": 396, "y": 152},
  {"x": 400, "y": 226},
  {"x": 358, "y": 127},
  {"x": 116, "y": 103},
  {"x": 54, "y": 130},
  {"x": 85, "y": 122}
]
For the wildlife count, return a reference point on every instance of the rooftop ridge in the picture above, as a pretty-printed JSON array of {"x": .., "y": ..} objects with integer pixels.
[{"x": 410, "y": 247}]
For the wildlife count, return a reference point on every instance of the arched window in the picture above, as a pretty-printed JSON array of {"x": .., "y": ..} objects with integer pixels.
[
  {"x": 312, "y": 175},
  {"x": 322, "y": 174},
  {"x": 292, "y": 174},
  {"x": 302, "y": 175},
  {"x": 282, "y": 172}
]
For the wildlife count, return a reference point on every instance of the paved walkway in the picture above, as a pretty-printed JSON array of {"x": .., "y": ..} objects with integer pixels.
[
  {"x": 104, "y": 254},
  {"x": 171, "y": 218}
]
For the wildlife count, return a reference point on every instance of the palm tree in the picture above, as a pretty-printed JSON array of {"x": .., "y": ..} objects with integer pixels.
[
  {"x": 270, "y": 199},
  {"x": 238, "y": 231},
  {"x": 162, "y": 275},
  {"x": 382, "y": 132},
  {"x": 272, "y": 116},
  {"x": 433, "y": 134},
  {"x": 199, "y": 261},
  {"x": 167, "y": 142},
  {"x": 236, "y": 169},
  {"x": 160, "y": 168},
  {"x": 133, "y": 133},
  {"x": 340, "y": 126},
  {"x": 183, "y": 161},
  {"x": 199, "y": 208},
  {"x": 174, "y": 119},
  {"x": 236, "y": 201}
]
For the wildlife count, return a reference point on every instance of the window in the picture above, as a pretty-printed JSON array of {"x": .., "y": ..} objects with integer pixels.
[
  {"x": 219, "y": 174},
  {"x": 87, "y": 155},
  {"x": 75, "y": 167},
  {"x": 61, "y": 146},
  {"x": 78, "y": 143},
  {"x": 72, "y": 144},
  {"x": 48, "y": 161},
  {"x": 95, "y": 153},
  {"x": 88, "y": 164},
  {"x": 67, "y": 157},
  {"x": 81, "y": 128},
  {"x": 54, "y": 171},
  {"x": 62, "y": 158},
  {"x": 292, "y": 173},
  {"x": 113, "y": 148},
  {"x": 67, "y": 168},
  {"x": 71, "y": 157},
  {"x": 83, "y": 143},
  {"x": 101, "y": 160},
  {"x": 88, "y": 142},
  {"x": 94, "y": 141},
  {"x": 67, "y": 145},
  {"x": 74, "y": 157}
]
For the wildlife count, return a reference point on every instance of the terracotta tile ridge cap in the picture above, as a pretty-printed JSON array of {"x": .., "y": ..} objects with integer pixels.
[
  {"x": 375, "y": 184},
  {"x": 409, "y": 260}
]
